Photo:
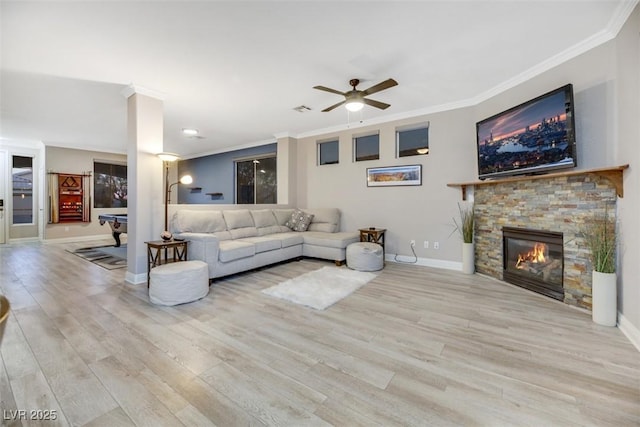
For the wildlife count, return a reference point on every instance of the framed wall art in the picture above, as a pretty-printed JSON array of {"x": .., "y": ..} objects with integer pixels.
[{"x": 394, "y": 175}]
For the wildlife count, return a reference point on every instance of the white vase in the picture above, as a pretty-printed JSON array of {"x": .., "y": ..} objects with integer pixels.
[
  {"x": 604, "y": 298},
  {"x": 468, "y": 258}
]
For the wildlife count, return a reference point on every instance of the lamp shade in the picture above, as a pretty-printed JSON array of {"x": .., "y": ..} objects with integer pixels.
[
  {"x": 168, "y": 157},
  {"x": 187, "y": 179}
]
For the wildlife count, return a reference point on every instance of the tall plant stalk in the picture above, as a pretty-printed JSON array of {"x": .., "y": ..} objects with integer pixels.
[
  {"x": 601, "y": 238},
  {"x": 465, "y": 224}
]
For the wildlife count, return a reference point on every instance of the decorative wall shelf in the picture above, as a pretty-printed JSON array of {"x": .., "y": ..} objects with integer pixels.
[
  {"x": 195, "y": 189},
  {"x": 215, "y": 195},
  {"x": 70, "y": 202},
  {"x": 613, "y": 174}
]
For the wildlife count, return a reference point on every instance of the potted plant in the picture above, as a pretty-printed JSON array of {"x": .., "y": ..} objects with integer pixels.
[
  {"x": 601, "y": 238},
  {"x": 465, "y": 225}
]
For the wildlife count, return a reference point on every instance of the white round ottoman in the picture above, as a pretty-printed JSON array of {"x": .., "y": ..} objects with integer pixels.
[
  {"x": 178, "y": 282},
  {"x": 365, "y": 256}
]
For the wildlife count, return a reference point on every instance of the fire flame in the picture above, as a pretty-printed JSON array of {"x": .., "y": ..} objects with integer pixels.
[{"x": 534, "y": 256}]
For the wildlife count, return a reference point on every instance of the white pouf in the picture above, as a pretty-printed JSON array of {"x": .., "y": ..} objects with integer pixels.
[
  {"x": 365, "y": 256},
  {"x": 178, "y": 282}
]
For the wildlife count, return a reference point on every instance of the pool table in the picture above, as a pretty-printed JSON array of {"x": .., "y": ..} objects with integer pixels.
[{"x": 117, "y": 222}]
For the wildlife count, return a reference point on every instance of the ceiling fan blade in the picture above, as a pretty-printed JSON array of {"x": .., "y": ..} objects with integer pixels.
[
  {"x": 328, "y": 89},
  {"x": 377, "y": 104},
  {"x": 380, "y": 86},
  {"x": 334, "y": 106}
]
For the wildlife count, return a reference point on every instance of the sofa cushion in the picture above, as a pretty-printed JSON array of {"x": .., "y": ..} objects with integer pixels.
[
  {"x": 333, "y": 240},
  {"x": 238, "y": 219},
  {"x": 239, "y": 233},
  {"x": 266, "y": 222},
  {"x": 299, "y": 220},
  {"x": 223, "y": 235},
  {"x": 231, "y": 250},
  {"x": 265, "y": 243},
  {"x": 265, "y": 231},
  {"x": 192, "y": 221},
  {"x": 282, "y": 215},
  {"x": 263, "y": 218},
  {"x": 324, "y": 219},
  {"x": 290, "y": 239}
]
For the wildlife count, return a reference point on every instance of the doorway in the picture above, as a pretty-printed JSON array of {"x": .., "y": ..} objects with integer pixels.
[{"x": 3, "y": 188}]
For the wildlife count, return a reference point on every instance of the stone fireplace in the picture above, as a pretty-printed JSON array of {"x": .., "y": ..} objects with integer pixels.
[
  {"x": 559, "y": 203},
  {"x": 534, "y": 260}
]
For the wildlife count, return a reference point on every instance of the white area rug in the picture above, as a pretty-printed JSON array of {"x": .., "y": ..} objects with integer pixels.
[{"x": 321, "y": 288}]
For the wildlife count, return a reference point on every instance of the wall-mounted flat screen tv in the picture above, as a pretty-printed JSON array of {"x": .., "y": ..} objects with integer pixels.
[{"x": 530, "y": 138}]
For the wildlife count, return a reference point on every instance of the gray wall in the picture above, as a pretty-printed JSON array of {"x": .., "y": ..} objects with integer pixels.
[
  {"x": 215, "y": 174},
  {"x": 409, "y": 213},
  {"x": 606, "y": 91}
]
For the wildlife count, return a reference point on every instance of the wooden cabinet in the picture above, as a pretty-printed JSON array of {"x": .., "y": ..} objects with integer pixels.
[{"x": 70, "y": 198}]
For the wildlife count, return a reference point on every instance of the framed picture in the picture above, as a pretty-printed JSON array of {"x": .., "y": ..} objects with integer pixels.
[{"x": 394, "y": 175}]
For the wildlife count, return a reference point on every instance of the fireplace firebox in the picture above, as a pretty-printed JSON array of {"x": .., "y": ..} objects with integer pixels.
[{"x": 534, "y": 259}]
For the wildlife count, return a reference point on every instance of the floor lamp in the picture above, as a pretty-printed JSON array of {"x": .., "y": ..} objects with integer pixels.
[{"x": 167, "y": 158}]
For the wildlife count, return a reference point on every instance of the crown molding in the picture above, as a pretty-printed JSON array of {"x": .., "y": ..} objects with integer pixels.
[
  {"x": 229, "y": 149},
  {"x": 281, "y": 135},
  {"x": 615, "y": 24},
  {"x": 386, "y": 119},
  {"x": 620, "y": 17},
  {"x": 135, "y": 89}
]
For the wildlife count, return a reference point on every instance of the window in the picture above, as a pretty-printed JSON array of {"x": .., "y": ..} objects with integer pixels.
[
  {"x": 366, "y": 147},
  {"x": 413, "y": 141},
  {"x": 328, "y": 152},
  {"x": 22, "y": 177},
  {"x": 256, "y": 181},
  {"x": 109, "y": 185}
]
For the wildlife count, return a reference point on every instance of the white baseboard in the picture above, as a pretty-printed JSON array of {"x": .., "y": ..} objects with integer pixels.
[
  {"x": 24, "y": 240},
  {"x": 135, "y": 279},
  {"x": 425, "y": 262},
  {"x": 629, "y": 330}
]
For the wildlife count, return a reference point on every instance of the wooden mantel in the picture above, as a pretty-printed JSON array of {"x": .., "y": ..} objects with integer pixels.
[{"x": 613, "y": 174}]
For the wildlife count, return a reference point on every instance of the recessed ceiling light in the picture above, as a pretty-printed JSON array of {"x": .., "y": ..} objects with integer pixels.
[{"x": 190, "y": 132}]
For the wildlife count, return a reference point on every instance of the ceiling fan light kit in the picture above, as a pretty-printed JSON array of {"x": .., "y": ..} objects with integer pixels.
[
  {"x": 354, "y": 105},
  {"x": 354, "y": 99}
]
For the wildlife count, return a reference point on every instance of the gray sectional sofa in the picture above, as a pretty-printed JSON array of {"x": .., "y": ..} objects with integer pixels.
[{"x": 232, "y": 241}]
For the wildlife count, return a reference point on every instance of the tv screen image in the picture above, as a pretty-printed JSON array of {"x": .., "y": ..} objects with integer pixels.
[{"x": 533, "y": 137}]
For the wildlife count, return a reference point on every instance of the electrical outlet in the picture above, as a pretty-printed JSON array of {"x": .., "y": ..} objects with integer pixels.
[
  {"x": 436, "y": 245},
  {"x": 426, "y": 244},
  {"x": 412, "y": 243}
]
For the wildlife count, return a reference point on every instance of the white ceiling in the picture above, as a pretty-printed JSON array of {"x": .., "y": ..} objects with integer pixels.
[{"x": 235, "y": 70}]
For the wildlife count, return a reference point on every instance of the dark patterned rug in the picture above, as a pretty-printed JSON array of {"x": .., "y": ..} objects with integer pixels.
[{"x": 108, "y": 257}]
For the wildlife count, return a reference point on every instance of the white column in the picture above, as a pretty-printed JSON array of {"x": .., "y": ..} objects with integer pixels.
[{"x": 144, "y": 177}]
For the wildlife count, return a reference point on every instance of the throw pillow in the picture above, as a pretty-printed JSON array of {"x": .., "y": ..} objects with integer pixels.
[{"x": 299, "y": 221}]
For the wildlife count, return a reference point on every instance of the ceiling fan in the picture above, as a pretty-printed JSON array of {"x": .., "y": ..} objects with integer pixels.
[{"x": 355, "y": 99}]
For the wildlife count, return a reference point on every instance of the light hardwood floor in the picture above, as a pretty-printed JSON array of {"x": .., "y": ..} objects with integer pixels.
[{"x": 416, "y": 346}]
